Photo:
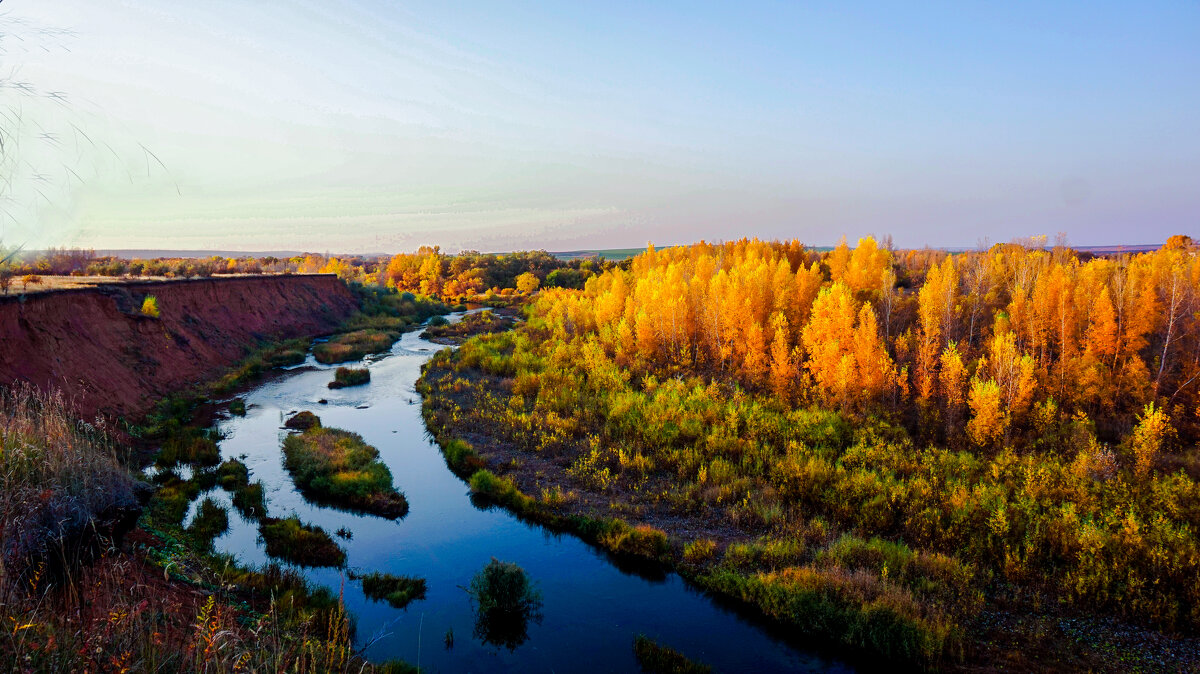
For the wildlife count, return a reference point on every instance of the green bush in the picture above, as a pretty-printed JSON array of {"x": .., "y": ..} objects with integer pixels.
[
  {"x": 345, "y": 376},
  {"x": 303, "y": 421},
  {"x": 505, "y": 602},
  {"x": 150, "y": 306},
  {"x": 233, "y": 475}
]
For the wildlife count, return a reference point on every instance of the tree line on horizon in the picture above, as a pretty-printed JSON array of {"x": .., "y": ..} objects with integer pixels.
[{"x": 428, "y": 271}]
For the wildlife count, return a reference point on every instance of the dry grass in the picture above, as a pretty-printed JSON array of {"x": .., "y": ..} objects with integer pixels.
[
  {"x": 58, "y": 476},
  {"x": 123, "y": 613},
  {"x": 152, "y": 602}
]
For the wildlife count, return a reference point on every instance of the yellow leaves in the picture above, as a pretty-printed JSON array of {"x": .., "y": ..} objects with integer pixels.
[
  {"x": 953, "y": 377},
  {"x": 936, "y": 311},
  {"x": 754, "y": 365},
  {"x": 839, "y": 261},
  {"x": 867, "y": 266},
  {"x": 876, "y": 372},
  {"x": 783, "y": 369},
  {"x": 998, "y": 522},
  {"x": 1013, "y": 372},
  {"x": 846, "y": 357},
  {"x": 150, "y": 306},
  {"x": 1148, "y": 437},
  {"x": 989, "y": 419}
]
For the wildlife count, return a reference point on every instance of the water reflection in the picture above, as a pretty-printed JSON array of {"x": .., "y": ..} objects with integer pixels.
[{"x": 505, "y": 602}]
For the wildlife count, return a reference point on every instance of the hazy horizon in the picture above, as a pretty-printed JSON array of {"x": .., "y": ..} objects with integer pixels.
[{"x": 372, "y": 127}]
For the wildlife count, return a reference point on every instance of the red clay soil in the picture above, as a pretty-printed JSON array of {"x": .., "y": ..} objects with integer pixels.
[{"x": 96, "y": 346}]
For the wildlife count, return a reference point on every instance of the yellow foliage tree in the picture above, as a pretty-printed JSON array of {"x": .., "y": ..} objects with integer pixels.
[
  {"x": 989, "y": 418},
  {"x": 1148, "y": 437}
]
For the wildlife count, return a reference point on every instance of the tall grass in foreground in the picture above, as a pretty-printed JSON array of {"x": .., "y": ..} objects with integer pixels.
[
  {"x": 58, "y": 476},
  {"x": 124, "y": 616}
]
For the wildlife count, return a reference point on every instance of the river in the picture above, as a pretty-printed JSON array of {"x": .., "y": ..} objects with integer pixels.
[{"x": 592, "y": 609}]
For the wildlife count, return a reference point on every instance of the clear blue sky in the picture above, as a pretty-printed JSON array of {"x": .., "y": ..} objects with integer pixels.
[{"x": 380, "y": 126}]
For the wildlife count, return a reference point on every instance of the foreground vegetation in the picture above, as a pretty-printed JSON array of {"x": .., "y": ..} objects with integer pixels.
[
  {"x": 880, "y": 448},
  {"x": 58, "y": 476},
  {"x": 336, "y": 467},
  {"x": 78, "y": 593}
]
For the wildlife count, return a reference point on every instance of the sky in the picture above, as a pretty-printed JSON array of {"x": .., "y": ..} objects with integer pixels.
[{"x": 379, "y": 126}]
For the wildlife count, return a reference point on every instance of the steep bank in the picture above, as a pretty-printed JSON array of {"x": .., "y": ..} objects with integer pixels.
[{"x": 110, "y": 359}]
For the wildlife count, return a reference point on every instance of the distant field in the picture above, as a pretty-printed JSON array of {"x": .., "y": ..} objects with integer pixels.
[
  {"x": 49, "y": 283},
  {"x": 602, "y": 253}
]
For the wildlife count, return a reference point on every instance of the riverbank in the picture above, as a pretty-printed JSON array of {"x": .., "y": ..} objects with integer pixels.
[
  {"x": 116, "y": 357},
  {"x": 190, "y": 608},
  {"x": 552, "y": 469}
]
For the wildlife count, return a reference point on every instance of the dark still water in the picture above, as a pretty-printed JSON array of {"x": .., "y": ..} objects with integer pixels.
[{"x": 592, "y": 610}]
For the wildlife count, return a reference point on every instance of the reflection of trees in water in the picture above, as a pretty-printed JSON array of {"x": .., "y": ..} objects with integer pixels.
[{"x": 505, "y": 603}]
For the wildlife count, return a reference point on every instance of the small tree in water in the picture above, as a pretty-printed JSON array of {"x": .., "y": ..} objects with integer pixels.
[{"x": 505, "y": 602}]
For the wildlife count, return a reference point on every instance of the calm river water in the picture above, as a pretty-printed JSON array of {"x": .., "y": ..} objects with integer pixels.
[{"x": 592, "y": 609}]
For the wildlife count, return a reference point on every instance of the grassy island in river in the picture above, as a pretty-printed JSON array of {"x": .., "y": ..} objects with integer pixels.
[{"x": 336, "y": 467}]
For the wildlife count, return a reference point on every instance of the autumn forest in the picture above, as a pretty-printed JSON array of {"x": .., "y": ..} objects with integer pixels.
[{"x": 900, "y": 450}]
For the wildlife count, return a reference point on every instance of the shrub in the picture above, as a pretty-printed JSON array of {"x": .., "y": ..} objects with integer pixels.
[
  {"x": 642, "y": 540},
  {"x": 303, "y": 421},
  {"x": 233, "y": 475},
  {"x": 57, "y": 475},
  {"x": 150, "y": 306},
  {"x": 461, "y": 458},
  {"x": 854, "y": 608},
  {"x": 345, "y": 376},
  {"x": 700, "y": 550},
  {"x": 237, "y": 407}
]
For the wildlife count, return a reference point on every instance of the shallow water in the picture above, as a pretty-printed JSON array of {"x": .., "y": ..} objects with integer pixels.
[{"x": 592, "y": 609}]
